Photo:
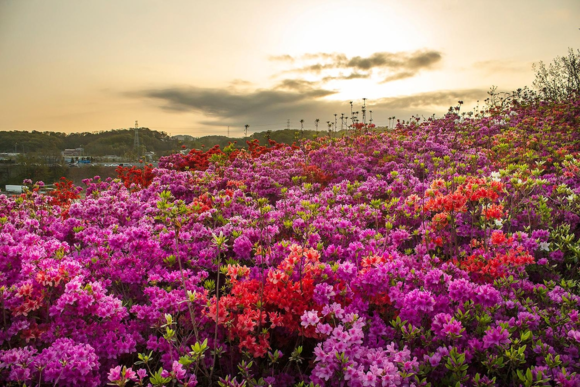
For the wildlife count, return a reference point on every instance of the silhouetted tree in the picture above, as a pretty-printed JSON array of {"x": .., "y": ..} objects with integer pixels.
[{"x": 561, "y": 78}]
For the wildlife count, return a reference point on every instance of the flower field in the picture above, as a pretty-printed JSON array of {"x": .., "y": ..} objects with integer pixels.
[{"x": 442, "y": 252}]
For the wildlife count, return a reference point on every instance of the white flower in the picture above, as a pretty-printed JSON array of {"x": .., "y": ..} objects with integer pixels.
[
  {"x": 499, "y": 223},
  {"x": 495, "y": 176},
  {"x": 545, "y": 246}
]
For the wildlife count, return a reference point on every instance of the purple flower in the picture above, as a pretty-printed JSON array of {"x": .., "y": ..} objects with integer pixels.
[
  {"x": 461, "y": 290},
  {"x": 243, "y": 247},
  {"x": 557, "y": 256},
  {"x": 323, "y": 293},
  {"x": 417, "y": 304},
  {"x": 487, "y": 296}
]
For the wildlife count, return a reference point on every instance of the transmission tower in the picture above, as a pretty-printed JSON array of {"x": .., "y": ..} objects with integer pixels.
[{"x": 136, "y": 144}]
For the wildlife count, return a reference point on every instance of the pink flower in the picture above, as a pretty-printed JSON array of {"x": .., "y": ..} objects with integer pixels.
[
  {"x": 142, "y": 373},
  {"x": 178, "y": 370},
  {"x": 130, "y": 374},
  {"x": 575, "y": 335},
  {"x": 309, "y": 318},
  {"x": 115, "y": 374}
]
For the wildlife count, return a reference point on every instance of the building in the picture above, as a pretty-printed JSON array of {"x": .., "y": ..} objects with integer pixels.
[
  {"x": 9, "y": 156},
  {"x": 69, "y": 154}
]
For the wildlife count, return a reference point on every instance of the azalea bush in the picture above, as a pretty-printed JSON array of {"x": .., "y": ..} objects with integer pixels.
[{"x": 442, "y": 252}]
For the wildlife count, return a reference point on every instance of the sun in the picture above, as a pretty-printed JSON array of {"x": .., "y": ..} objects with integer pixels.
[{"x": 351, "y": 27}]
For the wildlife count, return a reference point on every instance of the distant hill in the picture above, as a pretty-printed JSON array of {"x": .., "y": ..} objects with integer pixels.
[{"x": 119, "y": 142}]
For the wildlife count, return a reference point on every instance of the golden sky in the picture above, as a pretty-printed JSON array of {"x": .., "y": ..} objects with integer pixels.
[{"x": 195, "y": 67}]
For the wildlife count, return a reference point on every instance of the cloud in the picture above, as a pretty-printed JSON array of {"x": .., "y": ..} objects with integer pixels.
[
  {"x": 265, "y": 109},
  {"x": 224, "y": 103},
  {"x": 399, "y": 76},
  {"x": 441, "y": 98},
  {"x": 502, "y": 66},
  {"x": 240, "y": 82},
  {"x": 334, "y": 56},
  {"x": 394, "y": 61},
  {"x": 296, "y": 85},
  {"x": 392, "y": 66},
  {"x": 347, "y": 77},
  {"x": 281, "y": 58}
]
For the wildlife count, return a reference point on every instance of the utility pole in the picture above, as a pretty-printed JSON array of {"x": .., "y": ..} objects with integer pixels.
[
  {"x": 288, "y": 124},
  {"x": 341, "y": 121},
  {"x": 335, "y": 121}
]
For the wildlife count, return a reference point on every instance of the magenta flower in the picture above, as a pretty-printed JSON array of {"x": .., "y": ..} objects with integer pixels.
[
  {"x": 496, "y": 336},
  {"x": 115, "y": 374},
  {"x": 178, "y": 371}
]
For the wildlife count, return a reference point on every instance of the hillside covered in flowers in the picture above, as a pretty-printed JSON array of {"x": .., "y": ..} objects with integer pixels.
[{"x": 443, "y": 252}]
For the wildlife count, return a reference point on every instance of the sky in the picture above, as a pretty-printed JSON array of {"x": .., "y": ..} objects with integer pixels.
[{"x": 196, "y": 67}]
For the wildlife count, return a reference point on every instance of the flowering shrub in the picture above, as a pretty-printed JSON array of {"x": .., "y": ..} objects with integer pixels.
[
  {"x": 135, "y": 178},
  {"x": 441, "y": 252}
]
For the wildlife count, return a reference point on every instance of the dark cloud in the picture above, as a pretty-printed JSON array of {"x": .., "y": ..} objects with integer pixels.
[
  {"x": 269, "y": 109},
  {"x": 443, "y": 98},
  {"x": 296, "y": 85},
  {"x": 398, "y": 65},
  {"x": 224, "y": 103},
  {"x": 422, "y": 60}
]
